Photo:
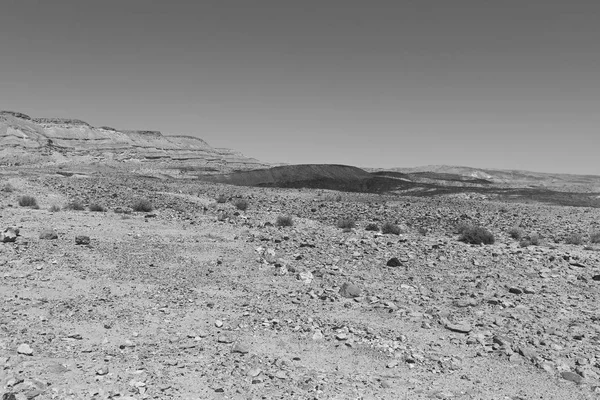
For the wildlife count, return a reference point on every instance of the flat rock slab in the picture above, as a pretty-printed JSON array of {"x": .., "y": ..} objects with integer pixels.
[
  {"x": 461, "y": 328},
  {"x": 571, "y": 376}
]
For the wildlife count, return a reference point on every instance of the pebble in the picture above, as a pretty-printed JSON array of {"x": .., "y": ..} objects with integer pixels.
[
  {"x": 240, "y": 348},
  {"x": 350, "y": 290},
  {"x": 461, "y": 328},
  {"x": 318, "y": 335},
  {"x": 571, "y": 376},
  {"x": 218, "y": 323},
  {"x": 515, "y": 290},
  {"x": 48, "y": 234},
  {"x": 25, "y": 349},
  {"x": 224, "y": 339},
  {"x": 82, "y": 240},
  {"x": 393, "y": 262}
]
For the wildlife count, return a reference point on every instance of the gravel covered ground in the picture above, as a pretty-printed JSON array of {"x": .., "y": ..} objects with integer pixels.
[{"x": 198, "y": 300}]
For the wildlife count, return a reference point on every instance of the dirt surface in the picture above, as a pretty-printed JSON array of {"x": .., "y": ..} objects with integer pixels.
[{"x": 198, "y": 300}]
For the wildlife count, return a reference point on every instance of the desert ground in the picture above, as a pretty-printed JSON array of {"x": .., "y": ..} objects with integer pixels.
[{"x": 197, "y": 299}]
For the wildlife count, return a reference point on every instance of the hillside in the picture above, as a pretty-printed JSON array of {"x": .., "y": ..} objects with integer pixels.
[
  {"x": 25, "y": 140},
  {"x": 514, "y": 178}
]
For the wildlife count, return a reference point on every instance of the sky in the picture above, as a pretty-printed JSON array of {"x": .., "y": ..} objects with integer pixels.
[{"x": 490, "y": 84}]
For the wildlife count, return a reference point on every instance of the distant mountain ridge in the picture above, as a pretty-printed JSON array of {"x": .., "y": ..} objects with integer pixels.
[
  {"x": 513, "y": 178},
  {"x": 25, "y": 140}
]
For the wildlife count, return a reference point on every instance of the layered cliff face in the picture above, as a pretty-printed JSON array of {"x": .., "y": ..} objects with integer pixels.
[{"x": 26, "y": 140}]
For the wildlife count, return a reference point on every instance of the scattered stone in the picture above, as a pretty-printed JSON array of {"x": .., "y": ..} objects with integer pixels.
[
  {"x": 102, "y": 371},
  {"x": 306, "y": 277},
  {"x": 240, "y": 348},
  {"x": 224, "y": 339},
  {"x": 318, "y": 335},
  {"x": 394, "y": 262},
  {"x": 253, "y": 372},
  {"x": 350, "y": 290},
  {"x": 48, "y": 234},
  {"x": 9, "y": 235},
  {"x": 218, "y": 323},
  {"x": 515, "y": 290},
  {"x": 577, "y": 264},
  {"x": 571, "y": 376},
  {"x": 461, "y": 328},
  {"x": 596, "y": 278},
  {"x": 25, "y": 349},
  {"x": 82, "y": 240}
]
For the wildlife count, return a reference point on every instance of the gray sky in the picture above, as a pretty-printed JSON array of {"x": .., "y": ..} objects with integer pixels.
[{"x": 499, "y": 84}]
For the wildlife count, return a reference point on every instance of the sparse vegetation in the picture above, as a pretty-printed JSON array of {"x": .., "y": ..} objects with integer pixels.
[
  {"x": 390, "y": 228},
  {"x": 372, "y": 227},
  {"x": 142, "y": 205},
  {"x": 477, "y": 235},
  {"x": 54, "y": 208},
  {"x": 28, "y": 201},
  {"x": 574, "y": 238},
  {"x": 75, "y": 206},
  {"x": 346, "y": 223},
  {"x": 533, "y": 239},
  {"x": 241, "y": 204},
  {"x": 96, "y": 207},
  {"x": 595, "y": 237},
  {"x": 462, "y": 227},
  {"x": 221, "y": 199},
  {"x": 284, "y": 220},
  {"x": 516, "y": 233}
]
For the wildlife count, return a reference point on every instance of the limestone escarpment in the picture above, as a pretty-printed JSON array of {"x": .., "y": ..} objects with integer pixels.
[{"x": 26, "y": 140}]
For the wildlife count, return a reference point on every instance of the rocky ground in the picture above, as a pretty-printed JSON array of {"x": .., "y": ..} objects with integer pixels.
[{"x": 199, "y": 300}]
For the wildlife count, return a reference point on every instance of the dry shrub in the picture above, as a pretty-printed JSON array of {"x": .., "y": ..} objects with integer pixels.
[
  {"x": 477, "y": 235},
  {"x": 96, "y": 208},
  {"x": 142, "y": 205},
  {"x": 574, "y": 238},
  {"x": 390, "y": 228},
  {"x": 28, "y": 201},
  {"x": 241, "y": 204},
  {"x": 346, "y": 223},
  {"x": 372, "y": 227},
  {"x": 284, "y": 220},
  {"x": 75, "y": 205}
]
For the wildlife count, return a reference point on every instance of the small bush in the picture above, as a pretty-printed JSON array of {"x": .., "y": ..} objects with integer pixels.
[
  {"x": 372, "y": 227},
  {"x": 477, "y": 235},
  {"x": 595, "y": 237},
  {"x": 97, "y": 208},
  {"x": 221, "y": 199},
  {"x": 284, "y": 220},
  {"x": 516, "y": 233},
  {"x": 346, "y": 223},
  {"x": 8, "y": 188},
  {"x": 54, "y": 208},
  {"x": 28, "y": 201},
  {"x": 574, "y": 238},
  {"x": 462, "y": 227},
  {"x": 75, "y": 205},
  {"x": 241, "y": 204},
  {"x": 389, "y": 227},
  {"x": 142, "y": 205},
  {"x": 423, "y": 231}
]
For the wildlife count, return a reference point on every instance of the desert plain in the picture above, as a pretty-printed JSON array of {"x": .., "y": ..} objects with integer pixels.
[{"x": 218, "y": 291}]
